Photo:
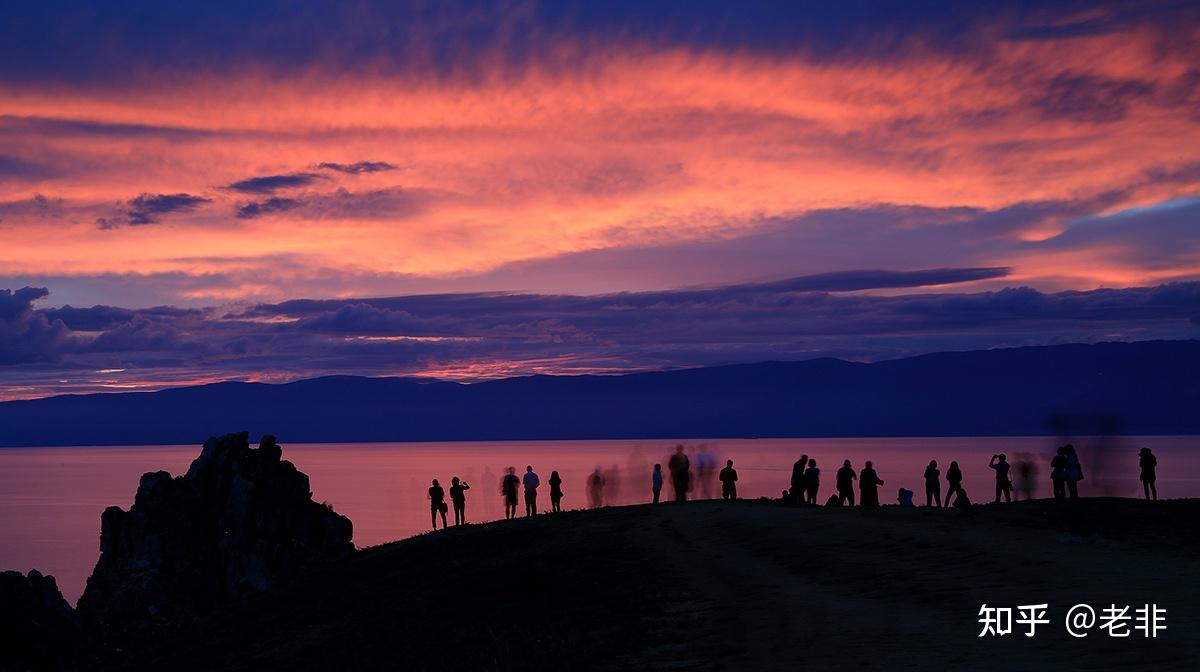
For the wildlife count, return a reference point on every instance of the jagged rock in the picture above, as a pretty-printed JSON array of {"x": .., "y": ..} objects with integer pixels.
[
  {"x": 37, "y": 625},
  {"x": 240, "y": 521}
]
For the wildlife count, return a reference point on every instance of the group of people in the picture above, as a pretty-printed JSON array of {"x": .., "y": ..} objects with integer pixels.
[{"x": 1066, "y": 472}]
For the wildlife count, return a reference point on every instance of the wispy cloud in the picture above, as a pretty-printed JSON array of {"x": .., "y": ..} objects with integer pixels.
[
  {"x": 359, "y": 167},
  {"x": 150, "y": 208},
  {"x": 268, "y": 184}
]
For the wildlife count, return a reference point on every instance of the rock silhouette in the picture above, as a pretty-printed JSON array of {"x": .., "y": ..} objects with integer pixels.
[
  {"x": 240, "y": 521},
  {"x": 37, "y": 621}
]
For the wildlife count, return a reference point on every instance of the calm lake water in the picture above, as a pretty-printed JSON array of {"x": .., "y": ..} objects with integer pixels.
[{"x": 51, "y": 498}]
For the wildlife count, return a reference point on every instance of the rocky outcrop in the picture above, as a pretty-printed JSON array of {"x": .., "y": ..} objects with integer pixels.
[
  {"x": 240, "y": 521},
  {"x": 37, "y": 623}
]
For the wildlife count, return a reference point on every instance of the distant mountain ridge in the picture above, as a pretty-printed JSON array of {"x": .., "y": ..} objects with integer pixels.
[{"x": 1150, "y": 387}]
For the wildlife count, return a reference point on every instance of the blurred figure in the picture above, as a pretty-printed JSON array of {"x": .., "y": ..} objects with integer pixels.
[
  {"x": 954, "y": 479},
  {"x": 437, "y": 503},
  {"x": 933, "y": 485},
  {"x": 1026, "y": 477},
  {"x": 706, "y": 469},
  {"x": 812, "y": 481},
  {"x": 458, "y": 498},
  {"x": 656, "y": 482},
  {"x": 1058, "y": 472},
  {"x": 999, "y": 462},
  {"x": 868, "y": 485},
  {"x": 487, "y": 481},
  {"x": 636, "y": 466},
  {"x": 555, "y": 492},
  {"x": 508, "y": 488},
  {"x": 681, "y": 476},
  {"x": 905, "y": 497},
  {"x": 1148, "y": 464},
  {"x": 595, "y": 489},
  {"x": 799, "y": 489},
  {"x": 612, "y": 485},
  {"x": 845, "y": 484},
  {"x": 728, "y": 479},
  {"x": 531, "y": 483},
  {"x": 1074, "y": 471},
  {"x": 834, "y": 500}
]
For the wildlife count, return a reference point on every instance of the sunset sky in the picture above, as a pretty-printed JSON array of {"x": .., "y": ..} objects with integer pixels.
[{"x": 193, "y": 192}]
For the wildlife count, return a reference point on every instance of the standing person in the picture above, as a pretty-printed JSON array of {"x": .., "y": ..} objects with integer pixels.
[
  {"x": 680, "y": 473},
  {"x": 595, "y": 488},
  {"x": 656, "y": 481},
  {"x": 555, "y": 492},
  {"x": 728, "y": 478},
  {"x": 1058, "y": 473},
  {"x": 458, "y": 497},
  {"x": 437, "y": 503},
  {"x": 933, "y": 486},
  {"x": 1074, "y": 471},
  {"x": 954, "y": 479},
  {"x": 999, "y": 462},
  {"x": 812, "y": 480},
  {"x": 868, "y": 485},
  {"x": 798, "y": 488},
  {"x": 508, "y": 488},
  {"x": 845, "y": 484},
  {"x": 1148, "y": 463},
  {"x": 531, "y": 483}
]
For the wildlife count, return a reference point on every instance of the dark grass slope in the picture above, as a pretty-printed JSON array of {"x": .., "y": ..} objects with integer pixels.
[
  {"x": 741, "y": 586},
  {"x": 1136, "y": 388}
]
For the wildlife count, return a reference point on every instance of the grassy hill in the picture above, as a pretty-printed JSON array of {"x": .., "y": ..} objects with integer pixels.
[{"x": 729, "y": 586}]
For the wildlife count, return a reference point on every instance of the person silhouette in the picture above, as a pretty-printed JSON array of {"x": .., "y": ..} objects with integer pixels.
[
  {"x": 680, "y": 473},
  {"x": 1148, "y": 463},
  {"x": 868, "y": 485},
  {"x": 812, "y": 480},
  {"x": 437, "y": 503},
  {"x": 1074, "y": 472},
  {"x": 905, "y": 497},
  {"x": 656, "y": 482},
  {"x": 954, "y": 478},
  {"x": 845, "y": 484},
  {"x": 728, "y": 478},
  {"x": 458, "y": 497},
  {"x": 595, "y": 488},
  {"x": 933, "y": 489},
  {"x": 999, "y": 462},
  {"x": 1058, "y": 473},
  {"x": 508, "y": 488},
  {"x": 799, "y": 489},
  {"x": 556, "y": 494},
  {"x": 531, "y": 483}
]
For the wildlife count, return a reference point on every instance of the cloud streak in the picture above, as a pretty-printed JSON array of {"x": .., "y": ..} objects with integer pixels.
[{"x": 484, "y": 335}]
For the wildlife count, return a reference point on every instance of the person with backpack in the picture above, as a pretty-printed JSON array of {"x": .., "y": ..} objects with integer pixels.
[{"x": 437, "y": 503}]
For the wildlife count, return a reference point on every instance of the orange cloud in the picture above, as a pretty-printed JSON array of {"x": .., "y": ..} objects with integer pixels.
[{"x": 637, "y": 148}]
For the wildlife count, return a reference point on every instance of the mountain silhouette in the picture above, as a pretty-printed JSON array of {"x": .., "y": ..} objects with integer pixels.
[{"x": 1150, "y": 387}]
